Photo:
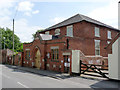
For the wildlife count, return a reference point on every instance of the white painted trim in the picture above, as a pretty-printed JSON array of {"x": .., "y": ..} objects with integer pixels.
[
  {"x": 97, "y": 40},
  {"x": 58, "y": 31},
  {"x": 109, "y": 32},
  {"x": 76, "y": 61},
  {"x": 95, "y": 48},
  {"x": 97, "y": 28},
  {"x": 54, "y": 47},
  {"x": 94, "y": 56},
  {"x": 27, "y": 49},
  {"x": 66, "y": 53},
  {"x": 70, "y": 26}
]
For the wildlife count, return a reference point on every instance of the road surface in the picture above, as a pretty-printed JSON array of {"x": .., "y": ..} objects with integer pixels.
[{"x": 15, "y": 78}]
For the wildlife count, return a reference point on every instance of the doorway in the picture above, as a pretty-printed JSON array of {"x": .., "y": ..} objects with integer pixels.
[
  {"x": 66, "y": 64},
  {"x": 37, "y": 59}
]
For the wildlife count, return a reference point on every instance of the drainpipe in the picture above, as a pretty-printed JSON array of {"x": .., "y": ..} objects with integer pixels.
[
  {"x": 45, "y": 61},
  {"x": 67, "y": 43}
]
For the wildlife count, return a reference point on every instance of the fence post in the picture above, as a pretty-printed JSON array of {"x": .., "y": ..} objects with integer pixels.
[{"x": 80, "y": 66}]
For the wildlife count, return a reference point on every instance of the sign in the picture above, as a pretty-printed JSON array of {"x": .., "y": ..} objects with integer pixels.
[
  {"x": 61, "y": 61},
  {"x": 33, "y": 63},
  {"x": 68, "y": 59},
  {"x": 68, "y": 64},
  {"x": 65, "y": 64},
  {"x": 48, "y": 55}
]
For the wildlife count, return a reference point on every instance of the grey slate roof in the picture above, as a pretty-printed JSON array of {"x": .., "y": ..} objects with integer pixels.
[{"x": 78, "y": 18}]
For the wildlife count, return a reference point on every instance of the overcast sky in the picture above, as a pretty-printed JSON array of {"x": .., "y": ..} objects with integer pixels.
[{"x": 40, "y": 14}]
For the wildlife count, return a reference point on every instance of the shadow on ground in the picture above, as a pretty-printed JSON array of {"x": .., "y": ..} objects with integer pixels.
[
  {"x": 104, "y": 84},
  {"x": 107, "y": 85},
  {"x": 47, "y": 73}
]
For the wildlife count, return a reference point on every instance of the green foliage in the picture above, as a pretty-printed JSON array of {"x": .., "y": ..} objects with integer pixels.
[
  {"x": 8, "y": 34},
  {"x": 36, "y": 32}
]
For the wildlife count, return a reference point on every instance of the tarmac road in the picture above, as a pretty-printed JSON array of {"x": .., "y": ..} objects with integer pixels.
[{"x": 15, "y": 78}]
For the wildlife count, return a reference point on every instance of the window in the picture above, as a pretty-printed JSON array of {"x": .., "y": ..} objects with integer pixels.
[
  {"x": 55, "y": 53},
  {"x": 97, "y": 47},
  {"x": 109, "y": 35},
  {"x": 47, "y": 32},
  {"x": 57, "y": 32},
  {"x": 70, "y": 31},
  {"x": 97, "y": 32},
  {"x": 28, "y": 54}
]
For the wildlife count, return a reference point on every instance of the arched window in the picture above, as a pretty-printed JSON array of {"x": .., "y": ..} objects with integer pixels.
[{"x": 57, "y": 32}]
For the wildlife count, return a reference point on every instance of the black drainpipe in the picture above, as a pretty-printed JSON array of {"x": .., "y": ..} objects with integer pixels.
[{"x": 67, "y": 43}]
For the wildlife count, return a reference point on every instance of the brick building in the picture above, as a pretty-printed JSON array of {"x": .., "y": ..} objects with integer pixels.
[
  {"x": 52, "y": 48},
  {"x": 4, "y": 55}
]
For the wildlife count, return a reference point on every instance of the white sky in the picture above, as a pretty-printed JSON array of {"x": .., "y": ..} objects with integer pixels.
[{"x": 38, "y": 14}]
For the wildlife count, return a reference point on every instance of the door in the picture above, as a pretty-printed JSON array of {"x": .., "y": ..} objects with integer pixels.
[
  {"x": 37, "y": 59},
  {"x": 66, "y": 64}
]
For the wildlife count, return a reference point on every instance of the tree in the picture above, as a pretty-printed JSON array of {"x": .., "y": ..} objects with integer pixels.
[
  {"x": 8, "y": 34},
  {"x": 36, "y": 32}
]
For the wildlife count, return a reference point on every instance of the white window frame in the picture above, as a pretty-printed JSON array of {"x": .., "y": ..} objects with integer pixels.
[
  {"x": 97, "y": 32},
  {"x": 47, "y": 32},
  {"x": 98, "y": 41},
  {"x": 109, "y": 35},
  {"x": 108, "y": 42},
  {"x": 57, "y": 31},
  {"x": 68, "y": 34}
]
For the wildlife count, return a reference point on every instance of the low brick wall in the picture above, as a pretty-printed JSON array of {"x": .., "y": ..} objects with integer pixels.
[
  {"x": 96, "y": 60},
  {"x": 18, "y": 59},
  {"x": 9, "y": 60},
  {"x": 3, "y": 56}
]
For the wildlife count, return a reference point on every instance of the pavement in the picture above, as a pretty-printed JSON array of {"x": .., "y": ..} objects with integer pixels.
[{"x": 52, "y": 74}]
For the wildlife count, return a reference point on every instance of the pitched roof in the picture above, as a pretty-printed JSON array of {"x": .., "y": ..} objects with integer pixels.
[{"x": 78, "y": 18}]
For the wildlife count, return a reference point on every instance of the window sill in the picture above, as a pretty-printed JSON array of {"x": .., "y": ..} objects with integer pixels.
[
  {"x": 110, "y": 38},
  {"x": 54, "y": 60},
  {"x": 97, "y": 36},
  {"x": 57, "y": 34},
  {"x": 69, "y": 36},
  {"x": 98, "y": 55}
]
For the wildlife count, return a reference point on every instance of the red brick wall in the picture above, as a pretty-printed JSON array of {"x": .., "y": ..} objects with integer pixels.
[
  {"x": 18, "y": 59},
  {"x": 3, "y": 56},
  {"x": 83, "y": 40},
  {"x": 44, "y": 49},
  {"x": 32, "y": 46},
  {"x": 9, "y": 60},
  {"x": 85, "y": 32},
  {"x": 96, "y": 60}
]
